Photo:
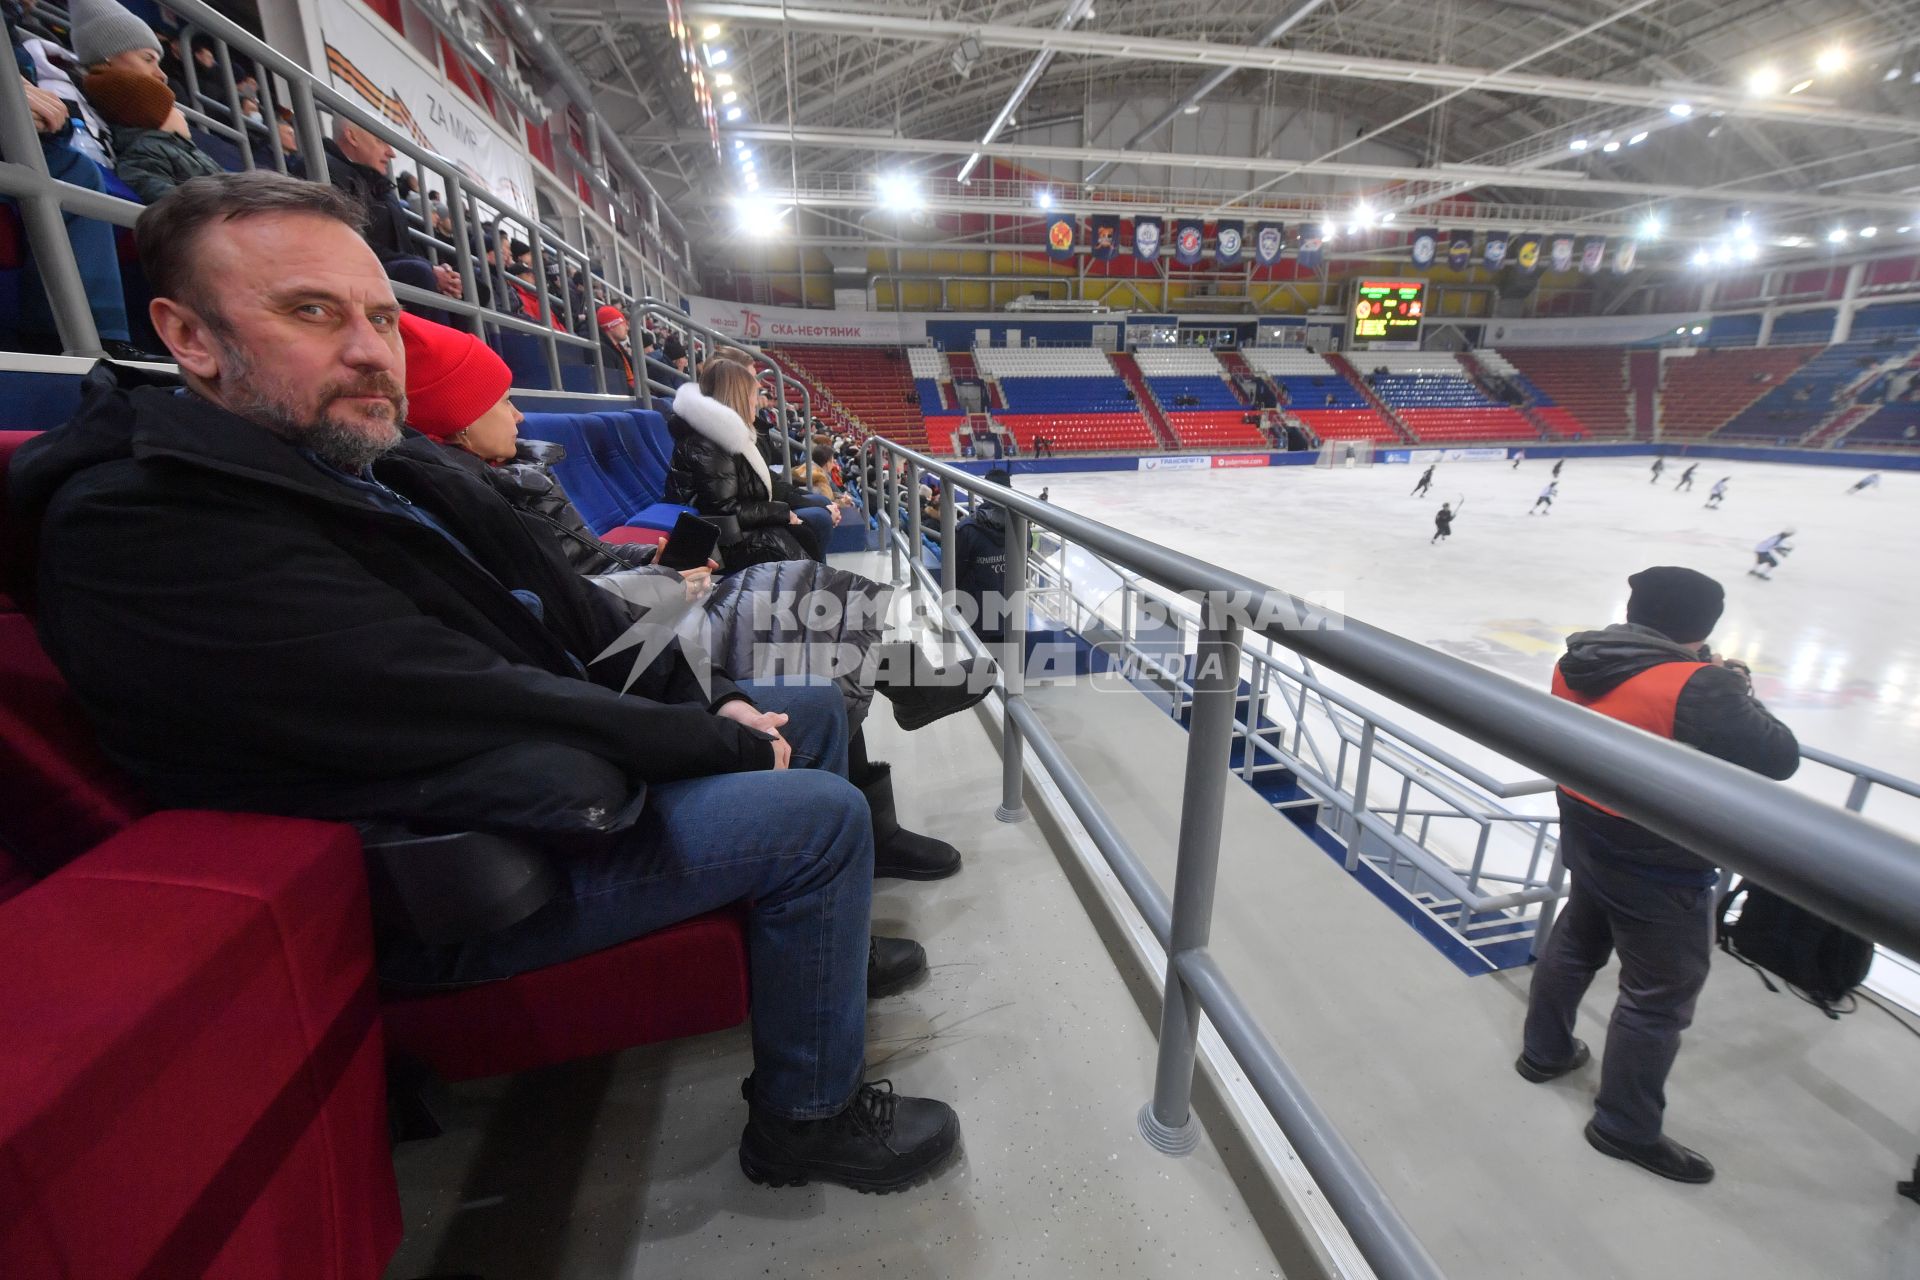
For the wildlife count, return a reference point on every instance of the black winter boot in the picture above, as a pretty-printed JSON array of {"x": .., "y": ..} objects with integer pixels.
[
  {"x": 879, "y": 1142},
  {"x": 898, "y": 852},
  {"x": 892, "y": 963},
  {"x": 922, "y": 692}
]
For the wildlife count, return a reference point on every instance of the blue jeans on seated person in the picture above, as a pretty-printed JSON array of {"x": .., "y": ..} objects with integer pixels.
[
  {"x": 796, "y": 844},
  {"x": 418, "y": 272},
  {"x": 816, "y": 519},
  {"x": 93, "y": 249}
]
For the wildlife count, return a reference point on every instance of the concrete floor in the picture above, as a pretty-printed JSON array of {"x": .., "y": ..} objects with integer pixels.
[
  {"x": 626, "y": 1166},
  {"x": 1809, "y": 1121}
]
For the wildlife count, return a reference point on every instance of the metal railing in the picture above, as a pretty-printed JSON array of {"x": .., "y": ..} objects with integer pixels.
[
  {"x": 1828, "y": 860},
  {"x": 607, "y": 262}
]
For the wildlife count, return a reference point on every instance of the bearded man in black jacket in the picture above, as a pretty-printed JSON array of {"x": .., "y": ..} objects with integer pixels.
[
  {"x": 268, "y": 596},
  {"x": 1635, "y": 892}
]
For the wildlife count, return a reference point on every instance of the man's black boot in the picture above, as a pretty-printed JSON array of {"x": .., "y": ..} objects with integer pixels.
[
  {"x": 1663, "y": 1156},
  {"x": 922, "y": 692},
  {"x": 879, "y": 1142},
  {"x": 892, "y": 963},
  {"x": 1532, "y": 1071},
  {"x": 898, "y": 852}
]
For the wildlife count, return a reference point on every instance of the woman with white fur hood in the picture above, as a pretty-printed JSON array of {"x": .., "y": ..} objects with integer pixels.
[{"x": 717, "y": 469}]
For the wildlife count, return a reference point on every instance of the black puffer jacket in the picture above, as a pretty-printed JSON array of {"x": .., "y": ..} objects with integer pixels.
[
  {"x": 1715, "y": 712},
  {"x": 373, "y": 192},
  {"x": 980, "y": 570},
  {"x": 528, "y": 483},
  {"x": 718, "y": 471}
]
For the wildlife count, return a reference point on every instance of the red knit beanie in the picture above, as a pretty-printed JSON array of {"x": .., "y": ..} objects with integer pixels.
[
  {"x": 452, "y": 377},
  {"x": 610, "y": 315}
]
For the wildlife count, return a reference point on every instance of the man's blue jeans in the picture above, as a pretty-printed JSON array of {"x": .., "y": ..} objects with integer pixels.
[
  {"x": 816, "y": 515},
  {"x": 93, "y": 249},
  {"x": 796, "y": 844}
]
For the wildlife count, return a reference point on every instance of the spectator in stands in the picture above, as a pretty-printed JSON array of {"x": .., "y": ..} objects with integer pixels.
[
  {"x": 613, "y": 340},
  {"x": 58, "y": 71},
  {"x": 718, "y": 470},
  {"x": 1634, "y": 892},
  {"x": 357, "y": 162},
  {"x": 150, "y": 136},
  {"x": 406, "y": 186},
  {"x": 980, "y": 568},
  {"x": 299, "y": 611},
  {"x": 675, "y": 353},
  {"x": 93, "y": 242}
]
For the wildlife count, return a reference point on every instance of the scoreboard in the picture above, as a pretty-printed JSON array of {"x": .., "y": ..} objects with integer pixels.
[{"x": 1388, "y": 310}]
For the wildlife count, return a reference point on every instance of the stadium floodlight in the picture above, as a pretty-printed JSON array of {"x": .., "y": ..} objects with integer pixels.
[
  {"x": 1578, "y": 144},
  {"x": 1044, "y": 199},
  {"x": 710, "y": 32},
  {"x": 1363, "y": 214},
  {"x": 1387, "y": 217},
  {"x": 1764, "y": 81},
  {"x": 1680, "y": 109},
  {"x": 1697, "y": 330},
  {"x": 1837, "y": 236},
  {"x": 1701, "y": 258},
  {"x": 1868, "y": 233},
  {"x": 1611, "y": 147},
  {"x": 733, "y": 113},
  {"x": 728, "y": 98},
  {"x": 1748, "y": 251},
  {"x": 1637, "y": 138},
  {"x": 1681, "y": 331},
  {"x": 898, "y": 192},
  {"x": 1832, "y": 60},
  {"x": 739, "y": 144},
  {"x": 722, "y": 80},
  {"x": 1651, "y": 228},
  {"x": 1801, "y": 86},
  {"x": 1743, "y": 230},
  {"x": 1893, "y": 73},
  {"x": 1723, "y": 253},
  {"x": 716, "y": 57},
  {"x": 758, "y": 217}
]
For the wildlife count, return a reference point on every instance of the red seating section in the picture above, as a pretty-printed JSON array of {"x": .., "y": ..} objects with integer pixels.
[
  {"x": 1349, "y": 424},
  {"x": 1453, "y": 426},
  {"x": 1082, "y": 432},
  {"x": 873, "y": 384},
  {"x": 1588, "y": 387},
  {"x": 1216, "y": 428},
  {"x": 1703, "y": 392}
]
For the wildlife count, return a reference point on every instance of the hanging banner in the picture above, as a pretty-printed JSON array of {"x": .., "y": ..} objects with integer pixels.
[
  {"x": 1228, "y": 239},
  {"x": 1426, "y": 242},
  {"x": 1623, "y": 257},
  {"x": 1189, "y": 237},
  {"x": 1460, "y": 250},
  {"x": 1593, "y": 255},
  {"x": 1146, "y": 239},
  {"x": 1311, "y": 246},
  {"x": 1526, "y": 252},
  {"x": 806, "y": 324},
  {"x": 1060, "y": 233},
  {"x": 1269, "y": 242},
  {"x": 373, "y": 64},
  {"x": 1106, "y": 237},
  {"x": 1562, "y": 255},
  {"x": 1494, "y": 251}
]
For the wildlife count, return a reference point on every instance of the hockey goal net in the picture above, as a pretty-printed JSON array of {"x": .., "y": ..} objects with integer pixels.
[{"x": 1337, "y": 453}]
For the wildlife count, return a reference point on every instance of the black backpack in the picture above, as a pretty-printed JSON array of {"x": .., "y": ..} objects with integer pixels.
[{"x": 1820, "y": 962}]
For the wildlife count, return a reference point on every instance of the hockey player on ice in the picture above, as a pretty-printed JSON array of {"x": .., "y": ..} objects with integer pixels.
[
  {"x": 1519, "y": 456},
  {"x": 1424, "y": 483},
  {"x": 1659, "y": 465},
  {"x": 1442, "y": 524},
  {"x": 1556, "y": 468},
  {"x": 1766, "y": 555},
  {"x": 1719, "y": 491},
  {"x": 1546, "y": 498},
  {"x": 1870, "y": 481},
  {"x": 1686, "y": 479}
]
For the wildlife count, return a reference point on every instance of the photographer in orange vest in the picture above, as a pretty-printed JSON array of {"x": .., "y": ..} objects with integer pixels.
[{"x": 1635, "y": 892}]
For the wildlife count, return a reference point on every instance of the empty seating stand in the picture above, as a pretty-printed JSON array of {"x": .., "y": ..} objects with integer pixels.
[
  {"x": 616, "y": 466},
  {"x": 1583, "y": 389},
  {"x": 1431, "y": 392},
  {"x": 1317, "y": 394},
  {"x": 875, "y": 385},
  {"x": 1071, "y": 396},
  {"x": 1702, "y": 390},
  {"x": 1196, "y": 399},
  {"x": 1806, "y": 399}
]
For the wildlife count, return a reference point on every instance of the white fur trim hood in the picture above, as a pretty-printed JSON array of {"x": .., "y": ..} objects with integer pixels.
[{"x": 721, "y": 425}]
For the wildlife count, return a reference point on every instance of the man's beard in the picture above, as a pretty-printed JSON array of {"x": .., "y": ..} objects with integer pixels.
[{"x": 349, "y": 444}]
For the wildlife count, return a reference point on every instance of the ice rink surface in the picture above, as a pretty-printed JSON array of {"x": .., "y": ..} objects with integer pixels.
[{"x": 1833, "y": 639}]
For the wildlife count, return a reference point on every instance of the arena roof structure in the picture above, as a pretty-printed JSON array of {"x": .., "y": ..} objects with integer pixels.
[{"x": 1791, "y": 127}]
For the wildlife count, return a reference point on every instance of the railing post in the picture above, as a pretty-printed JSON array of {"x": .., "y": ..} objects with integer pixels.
[
  {"x": 890, "y": 499},
  {"x": 914, "y": 524},
  {"x": 1360, "y": 780},
  {"x": 949, "y": 563},
  {"x": 1167, "y": 1121},
  {"x": 1013, "y": 804},
  {"x": 46, "y": 228}
]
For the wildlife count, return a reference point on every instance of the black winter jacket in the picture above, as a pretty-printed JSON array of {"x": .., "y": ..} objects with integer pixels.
[
  {"x": 529, "y": 485},
  {"x": 247, "y": 633},
  {"x": 373, "y": 192},
  {"x": 980, "y": 568},
  {"x": 1716, "y": 712},
  {"x": 717, "y": 470}
]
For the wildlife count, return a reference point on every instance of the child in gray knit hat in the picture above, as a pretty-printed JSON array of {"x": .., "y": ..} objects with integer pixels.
[{"x": 106, "y": 34}]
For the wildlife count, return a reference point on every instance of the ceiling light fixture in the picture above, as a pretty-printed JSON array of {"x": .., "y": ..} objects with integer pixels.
[
  {"x": 1044, "y": 199},
  {"x": 1702, "y": 258},
  {"x": 1697, "y": 330},
  {"x": 1748, "y": 251},
  {"x": 1578, "y": 144},
  {"x": 1611, "y": 147},
  {"x": 1681, "y": 109},
  {"x": 1764, "y": 81},
  {"x": 1837, "y": 236},
  {"x": 1868, "y": 233},
  {"x": 898, "y": 191},
  {"x": 1637, "y": 138},
  {"x": 710, "y": 32},
  {"x": 733, "y": 113},
  {"x": 1388, "y": 216},
  {"x": 1832, "y": 60},
  {"x": 716, "y": 57},
  {"x": 1651, "y": 228},
  {"x": 728, "y": 98}
]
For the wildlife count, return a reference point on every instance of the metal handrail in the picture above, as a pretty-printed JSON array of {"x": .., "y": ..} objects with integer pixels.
[
  {"x": 1862, "y": 876},
  {"x": 283, "y": 81}
]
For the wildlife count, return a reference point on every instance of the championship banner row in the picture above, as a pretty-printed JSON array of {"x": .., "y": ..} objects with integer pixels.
[{"x": 1268, "y": 244}]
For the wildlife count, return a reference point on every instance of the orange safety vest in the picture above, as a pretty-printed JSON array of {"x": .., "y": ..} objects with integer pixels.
[{"x": 1645, "y": 701}]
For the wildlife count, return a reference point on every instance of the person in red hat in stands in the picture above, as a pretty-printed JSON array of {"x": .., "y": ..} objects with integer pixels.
[{"x": 613, "y": 336}]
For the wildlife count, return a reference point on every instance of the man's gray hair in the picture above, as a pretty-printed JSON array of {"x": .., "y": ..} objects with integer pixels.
[{"x": 169, "y": 232}]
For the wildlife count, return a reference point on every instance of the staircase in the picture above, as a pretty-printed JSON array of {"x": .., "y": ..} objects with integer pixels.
[
  {"x": 1484, "y": 380},
  {"x": 825, "y": 407},
  {"x": 1835, "y": 429},
  {"x": 1129, "y": 370},
  {"x": 1344, "y": 367},
  {"x": 1237, "y": 368}
]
